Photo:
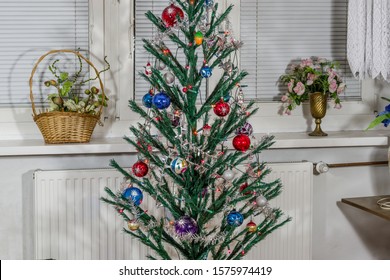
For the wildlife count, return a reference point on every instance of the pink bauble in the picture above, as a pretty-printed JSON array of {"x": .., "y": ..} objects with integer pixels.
[
  {"x": 241, "y": 142},
  {"x": 221, "y": 108},
  {"x": 140, "y": 169},
  {"x": 170, "y": 14}
]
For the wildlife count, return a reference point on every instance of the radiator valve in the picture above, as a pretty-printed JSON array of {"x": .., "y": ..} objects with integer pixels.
[{"x": 321, "y": 167}]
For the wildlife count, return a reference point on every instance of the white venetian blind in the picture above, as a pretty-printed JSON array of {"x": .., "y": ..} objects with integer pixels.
[
  {"x": 28, "y": 29},
  {"x": 144, "y": 29},
  {"x": 277, "y": 32}
]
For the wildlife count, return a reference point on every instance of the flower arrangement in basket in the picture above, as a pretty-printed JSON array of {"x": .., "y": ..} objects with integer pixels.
[
  {"x": 72, "y": 114},
  {"x": 311, "y": 75}
]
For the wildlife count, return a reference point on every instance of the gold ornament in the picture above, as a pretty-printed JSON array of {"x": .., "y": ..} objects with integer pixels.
[
  {"x": 133, "y": 225},
  {"x": 251, "y": 226}
]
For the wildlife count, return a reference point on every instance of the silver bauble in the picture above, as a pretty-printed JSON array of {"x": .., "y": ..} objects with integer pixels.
[
  {"x": 160, "y": 65},
  {"x": 228, "y": 175},
  {"x": 261, "y": 201},
  {"x": 169, "y": 78}
]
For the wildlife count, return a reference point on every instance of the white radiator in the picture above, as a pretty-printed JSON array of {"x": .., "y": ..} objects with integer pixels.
[{"x": 70, "y": 222}]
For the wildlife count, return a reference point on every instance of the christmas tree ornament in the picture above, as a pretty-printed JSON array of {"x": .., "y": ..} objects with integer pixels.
[
  {"x": 228, "y": 175},
  {"x": 133, "y": 225},
  {"x": 234, "y": 218},
  {"x": 226, "y": 97},
  {"x": 147, "y": 100},
  {"x": 179, "y": 165},
  {"x": 148, "y": 69},
  {"x": 261, "y": 201},
  {"x": 175, "y": 120},
  {"x": 160, "y": 65},
  {"x": 208, "y": 3},
  {"x": 240, "y": 97},
  {"x": 186, "y": 226},
  {"x": 251, "y": 226},
  {"x": 243, "y": 187},
  {"x": 192, "y": 2},
  {"x": 221, "y": 108},
  {"x": 133, "y": 194},
  {"x": 241, "y": 142},
  {"x": 246, "y": 129},
  {"x": 161, "y": 100},
  {"x": 205, "y": 71},
  {"x": 140, "y": 169},
  {"x": 169, "y": 78},
  {"x": 198, "y": 38},
  {"x": 170, "y": 15},
  {"x": 184, "y": 89},
  {"x": 206, "y": 130}
]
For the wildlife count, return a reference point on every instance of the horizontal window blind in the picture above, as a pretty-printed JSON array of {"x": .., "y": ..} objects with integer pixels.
[
  {"x": 277, "y": 33},
  {"x": 28, "y": 29},
  {"x": 144, "y": 29}
]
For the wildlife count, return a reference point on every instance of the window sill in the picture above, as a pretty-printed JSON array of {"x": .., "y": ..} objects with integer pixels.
[{"x": 36, "y": 147}]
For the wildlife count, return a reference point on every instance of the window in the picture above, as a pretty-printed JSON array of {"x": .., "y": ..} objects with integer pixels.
[
  {"x": 279, "y": 31},
  {"x": 30, "y": 28}
]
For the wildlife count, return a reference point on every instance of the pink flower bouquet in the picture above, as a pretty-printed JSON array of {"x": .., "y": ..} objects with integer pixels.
[{"x": 311, "y": 75}]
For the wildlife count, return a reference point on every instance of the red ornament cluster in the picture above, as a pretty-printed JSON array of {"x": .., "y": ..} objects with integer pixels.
[
  {"x": 140, "y": 169},
  {"x": 170, "y": 14},
  {"x": 241, "y": 142}
]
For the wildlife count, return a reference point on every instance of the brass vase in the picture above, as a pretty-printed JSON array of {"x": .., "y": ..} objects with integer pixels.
[{"x": 318, "y": 103}]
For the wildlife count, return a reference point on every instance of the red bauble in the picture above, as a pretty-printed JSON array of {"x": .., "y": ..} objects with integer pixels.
[
  {"x": 241, "y": 142},
  {"x": 243, "y": 187},
  {"x": 170, "y": 14},
  {"x": 140, "y": 169},
  {"x": 221, "y": 108}
]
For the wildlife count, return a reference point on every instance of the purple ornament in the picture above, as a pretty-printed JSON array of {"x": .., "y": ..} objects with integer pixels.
[
  {"x": 246, "y": 129},
  {"x": 186, "y": 226}
]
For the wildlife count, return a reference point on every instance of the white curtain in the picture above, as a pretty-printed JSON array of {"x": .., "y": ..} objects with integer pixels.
[{"x": 368, "y": 47}]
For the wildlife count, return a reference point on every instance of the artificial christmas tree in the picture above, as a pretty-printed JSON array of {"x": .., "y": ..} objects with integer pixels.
[{"x": 212, "y": 197}]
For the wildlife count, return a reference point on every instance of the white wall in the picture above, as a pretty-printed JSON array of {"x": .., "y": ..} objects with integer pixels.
[{"x": 339, "y": 231}]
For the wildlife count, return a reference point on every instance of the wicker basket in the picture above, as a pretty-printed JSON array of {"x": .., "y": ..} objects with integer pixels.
[{"x": 65, "y": 127}]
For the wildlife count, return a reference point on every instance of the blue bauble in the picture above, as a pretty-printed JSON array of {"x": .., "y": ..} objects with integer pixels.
[
  {"x": 161, "y": 100},
  {"x": 235, "y": 218},
  {"x": 208, "y": 3},
  {"x": 134, "y": 194},
  {"x": 147, "y": 100},
  {"x": 205, "y": 71}
]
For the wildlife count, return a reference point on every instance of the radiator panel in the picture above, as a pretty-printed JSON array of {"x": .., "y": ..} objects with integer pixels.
[
  {"x": 293, "y": 241},
  {"x": 70, "y": 221}
]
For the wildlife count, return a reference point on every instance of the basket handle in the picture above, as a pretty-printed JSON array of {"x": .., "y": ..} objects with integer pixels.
[{"x": 64, "y": 51}]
